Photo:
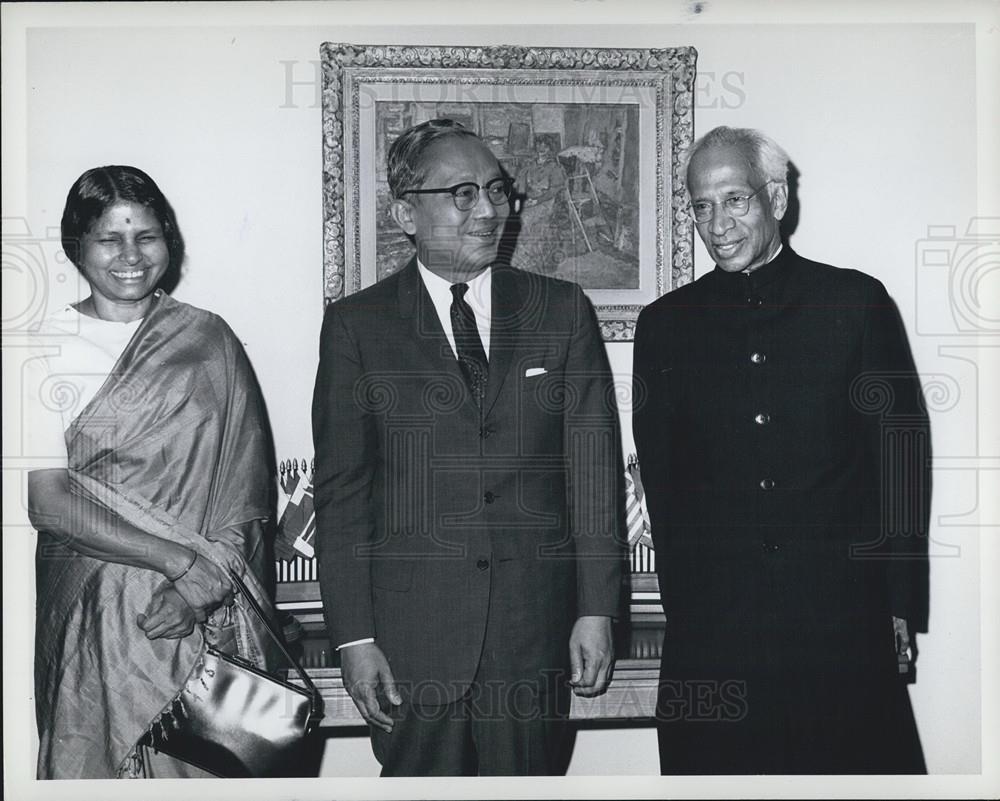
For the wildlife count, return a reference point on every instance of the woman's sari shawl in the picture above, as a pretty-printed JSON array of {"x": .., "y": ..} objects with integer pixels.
[{"x": 175, "y": 444}]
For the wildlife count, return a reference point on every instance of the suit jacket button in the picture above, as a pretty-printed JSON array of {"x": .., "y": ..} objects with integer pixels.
[
  {"x": 489, "y": 497},
  {"x": 758, "y": 358},
  {"x": 486, "y": 432},
  {"x": 766, "y": 484},
  {"x": 762, "y": 419},
  {"x": 483, "y": 564}
]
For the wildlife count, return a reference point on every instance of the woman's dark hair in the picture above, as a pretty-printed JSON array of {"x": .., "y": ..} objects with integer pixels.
[{"x": 99, "y": 189}]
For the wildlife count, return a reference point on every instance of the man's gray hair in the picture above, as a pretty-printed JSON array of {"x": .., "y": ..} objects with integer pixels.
[{"x": 765, "y": 155}]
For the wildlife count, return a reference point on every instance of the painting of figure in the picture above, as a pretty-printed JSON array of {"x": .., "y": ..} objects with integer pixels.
[{"x": 576, "y": 173}]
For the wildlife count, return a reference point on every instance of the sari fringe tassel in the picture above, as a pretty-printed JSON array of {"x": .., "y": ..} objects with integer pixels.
[{"x": 133, "y": 766}]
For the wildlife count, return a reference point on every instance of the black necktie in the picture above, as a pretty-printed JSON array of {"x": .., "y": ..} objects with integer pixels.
[{"x": 471, "y": 356}]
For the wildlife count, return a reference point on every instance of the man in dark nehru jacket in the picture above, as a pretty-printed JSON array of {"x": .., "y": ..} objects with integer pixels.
[
  {"x": 468, "y": 483},
  {"x": 784, "y": 449}
]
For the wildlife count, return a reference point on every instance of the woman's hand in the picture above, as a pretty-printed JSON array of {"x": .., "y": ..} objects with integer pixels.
[
  {"x": 204, "y": 586},
  {"x": 168, "y": 615}
]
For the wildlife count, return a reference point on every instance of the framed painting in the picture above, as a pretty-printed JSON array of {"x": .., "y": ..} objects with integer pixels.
[{"x": 591, "y": 137}]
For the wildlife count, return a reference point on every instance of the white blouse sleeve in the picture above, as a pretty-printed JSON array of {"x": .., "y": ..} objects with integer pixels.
[{"x": 42, "y": 427}]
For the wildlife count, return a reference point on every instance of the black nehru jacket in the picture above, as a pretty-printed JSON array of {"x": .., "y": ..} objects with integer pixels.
[{"x": 785, "y": 449}]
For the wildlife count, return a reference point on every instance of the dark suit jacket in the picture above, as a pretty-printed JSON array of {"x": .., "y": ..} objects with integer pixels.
[
  {"x": 785, "y": 454},
  {"x": 422, "y": 498}
]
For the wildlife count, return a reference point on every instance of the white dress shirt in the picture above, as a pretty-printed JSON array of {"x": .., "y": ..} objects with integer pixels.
[{"x": 479, "y": 296}]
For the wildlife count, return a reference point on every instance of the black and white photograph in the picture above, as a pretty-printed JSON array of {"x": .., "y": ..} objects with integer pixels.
[{"x": 432, "y": 399}]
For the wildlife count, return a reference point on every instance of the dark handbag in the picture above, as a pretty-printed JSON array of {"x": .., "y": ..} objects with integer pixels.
[{"x": 235, "y": 720}]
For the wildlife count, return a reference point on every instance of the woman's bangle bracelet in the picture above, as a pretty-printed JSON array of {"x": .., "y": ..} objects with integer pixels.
[{"x": 184, "y": 572}]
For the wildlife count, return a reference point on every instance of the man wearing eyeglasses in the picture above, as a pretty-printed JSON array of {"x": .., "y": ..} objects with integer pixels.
[
  {"x": 784, "y": 450},
  {"x": 467, "y": 486}
]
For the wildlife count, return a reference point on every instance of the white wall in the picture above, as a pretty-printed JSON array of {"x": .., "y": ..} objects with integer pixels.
[{"x": 879, "y": 119}]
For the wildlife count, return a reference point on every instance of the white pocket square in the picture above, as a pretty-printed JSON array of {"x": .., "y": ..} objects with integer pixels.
[{"x": 533, "y": 371}]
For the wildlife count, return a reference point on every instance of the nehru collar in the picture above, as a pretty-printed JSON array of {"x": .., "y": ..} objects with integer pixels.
[{"x": 759, "y": 278}]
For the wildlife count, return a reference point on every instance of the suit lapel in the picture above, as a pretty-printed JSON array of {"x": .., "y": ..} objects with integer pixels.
[
  {"x": 505, "y": 331},
  {"x": 416, "y": 305}
]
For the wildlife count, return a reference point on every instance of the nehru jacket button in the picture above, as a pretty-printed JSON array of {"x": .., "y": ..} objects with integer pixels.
[
  {"x": 489, "y": 497},
  {"x": 766, "y": 484},
  {"x": 762, "y": 419},
  {"x": 758, "y": 358},
  {"x": 483, "y": 564}
]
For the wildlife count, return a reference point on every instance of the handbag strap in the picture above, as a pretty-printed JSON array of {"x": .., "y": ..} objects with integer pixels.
[{"x": 252, "y": 602}]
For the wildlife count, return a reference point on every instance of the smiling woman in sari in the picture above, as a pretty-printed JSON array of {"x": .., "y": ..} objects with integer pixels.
[{"x": 155, "y": 485}]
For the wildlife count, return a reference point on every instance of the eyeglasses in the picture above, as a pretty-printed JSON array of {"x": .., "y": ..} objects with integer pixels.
[
  {"x": 466, "y": 195},
  {"x": 735, "y": 206}
]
